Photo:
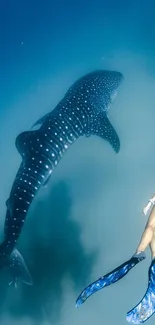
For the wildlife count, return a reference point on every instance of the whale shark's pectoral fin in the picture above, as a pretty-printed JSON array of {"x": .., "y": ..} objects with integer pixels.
[
  {"x": 40, "y": 121},
  {"x": 105, "y": 130}
]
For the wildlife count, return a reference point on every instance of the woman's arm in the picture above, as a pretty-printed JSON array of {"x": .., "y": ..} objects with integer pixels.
[{"x": 149, "y": 205}]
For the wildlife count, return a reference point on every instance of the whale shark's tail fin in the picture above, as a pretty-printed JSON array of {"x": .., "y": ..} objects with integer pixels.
[{"x": 17, "y": 266}]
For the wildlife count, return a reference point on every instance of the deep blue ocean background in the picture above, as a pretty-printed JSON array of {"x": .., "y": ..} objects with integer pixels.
[{"x": 89, "y": 219}]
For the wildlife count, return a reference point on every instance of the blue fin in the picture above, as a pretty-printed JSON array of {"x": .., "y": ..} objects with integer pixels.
[
  {"x": 18, "y": 269},
  {"x": 146, "y": 307},
  {"x": 109, "y": 278}
]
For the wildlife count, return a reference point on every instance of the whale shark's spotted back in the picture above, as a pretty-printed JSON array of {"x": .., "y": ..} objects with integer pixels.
[
  {"x": 82, "y": 111},
  {"x": 98, "y": 89}
]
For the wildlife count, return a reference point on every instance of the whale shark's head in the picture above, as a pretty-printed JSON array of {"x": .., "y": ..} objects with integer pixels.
[
  {"x": 97, "y": 89},
  {"x": 112, "y": 81},
  {"x": 104, "y": 86}
]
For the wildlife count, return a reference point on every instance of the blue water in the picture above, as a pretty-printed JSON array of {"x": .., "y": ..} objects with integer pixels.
[{"x": 89, "y": 219}]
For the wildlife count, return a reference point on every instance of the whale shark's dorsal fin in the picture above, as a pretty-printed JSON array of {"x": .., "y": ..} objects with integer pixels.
[
  {"x": 40, "y": 121},
  {"x": 23, "y": 141},
  {"x": 104, "y": 129}
]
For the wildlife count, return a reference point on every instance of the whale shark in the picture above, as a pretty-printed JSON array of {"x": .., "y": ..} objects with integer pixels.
[{"x": 81, "y": 112}]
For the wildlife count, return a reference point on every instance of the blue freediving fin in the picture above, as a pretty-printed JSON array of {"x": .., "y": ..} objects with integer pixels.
[
  {"x": 146, "y": 307},
  {"x": 109, "y": 278}
]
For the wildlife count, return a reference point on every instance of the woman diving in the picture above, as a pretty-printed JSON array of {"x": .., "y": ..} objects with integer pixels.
[{"x": 146, "y": 307}]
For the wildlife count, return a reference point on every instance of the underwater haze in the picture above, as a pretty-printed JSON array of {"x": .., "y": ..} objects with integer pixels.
[{"x": 88, "y": 220}]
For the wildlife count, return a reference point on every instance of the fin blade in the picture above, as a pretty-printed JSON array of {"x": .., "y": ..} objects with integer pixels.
[
  {"x": 18, "y": 268},
  {"x": 106, "y": 131},
  {"x": 109, "y": 278},
  {"x": 146, "y": 307}
]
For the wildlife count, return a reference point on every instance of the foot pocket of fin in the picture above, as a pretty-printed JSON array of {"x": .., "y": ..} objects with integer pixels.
[
  {"x": 140, "y": 255},
  {"x": 146, "y": 307}
]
